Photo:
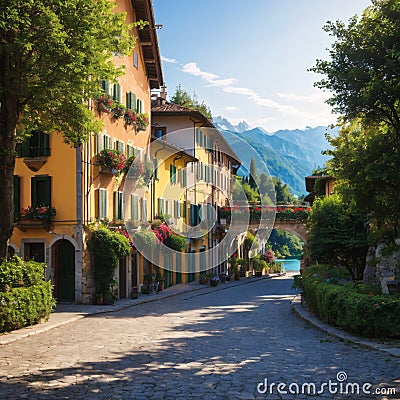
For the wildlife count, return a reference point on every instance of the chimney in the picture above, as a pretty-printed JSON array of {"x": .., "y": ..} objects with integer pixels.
[{"x": 163, "y": 93}]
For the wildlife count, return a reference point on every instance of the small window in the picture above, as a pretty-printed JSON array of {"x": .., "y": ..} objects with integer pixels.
[
  {"x": 37, "y": 145},
  {"x": 131, "y": 101},
  {"x": 106, "y": 142},
  {"x": 144, "y": 210},
  {"x": 118, "y": 205},
  {"x": 139, "y": 106},
  {"x": 105, "y": 85},
  {"x": 117, "y": 92},
  {"x": 161, "y": 206},
  {"x": 159, "y": 132},
  {"x": 134, "y": 207},
  {"x": 41, "y": 190},
  {"x": 135, "y": 59},
  {"x": 102, "y": 204}
]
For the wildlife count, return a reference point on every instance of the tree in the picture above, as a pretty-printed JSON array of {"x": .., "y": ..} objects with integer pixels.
[
  {"x": 53, "y": 54},
  {"x": 338, "y": 234},
  {"x": 253, "y": 174},
  {"x": 363, "y": 73},
  {"x": 283, "y": 195},
  {"x": 365, "y": 164},
  {"x": 183, "y": 98}
]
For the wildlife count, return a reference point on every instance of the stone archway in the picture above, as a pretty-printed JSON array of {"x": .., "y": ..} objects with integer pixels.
[{"x": 296, "y": 229}]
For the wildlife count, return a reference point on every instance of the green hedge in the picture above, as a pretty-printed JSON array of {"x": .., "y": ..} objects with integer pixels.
[
  {"x": 353, "y": 307},
  {"x": 25, "y": 296}
]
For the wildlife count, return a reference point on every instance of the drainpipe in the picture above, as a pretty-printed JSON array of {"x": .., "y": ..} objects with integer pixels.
[{"x": 79, "y": 226}]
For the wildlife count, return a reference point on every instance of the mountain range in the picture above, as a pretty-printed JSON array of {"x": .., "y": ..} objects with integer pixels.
[{"x": 290, "y": 155}]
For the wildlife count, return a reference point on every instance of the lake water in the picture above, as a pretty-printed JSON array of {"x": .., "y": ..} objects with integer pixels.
[{"x": 289, "y": 265}]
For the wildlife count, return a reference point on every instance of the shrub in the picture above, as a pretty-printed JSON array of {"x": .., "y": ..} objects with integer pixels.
[
  {"x": 350, "y": 306},
  {"x": 176, "y": 242},
  {"x": 107, "y": 247},
  {"x": 25, "y": 297}
]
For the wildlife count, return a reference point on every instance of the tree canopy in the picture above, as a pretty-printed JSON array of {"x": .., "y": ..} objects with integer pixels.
[
  {"x": 363, "y": 72},
  {"x": 53, "y": 54},
  {"x": 183, "y": 98}
]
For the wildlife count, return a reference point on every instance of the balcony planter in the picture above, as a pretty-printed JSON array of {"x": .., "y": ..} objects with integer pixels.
[
  {"x": 104, "y": 103},
  {"x": 111, "y": 161},
  {"x": 142, "y": 122}
]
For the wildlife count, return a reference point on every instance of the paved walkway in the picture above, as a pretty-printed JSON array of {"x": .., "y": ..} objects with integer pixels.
[
  {"x": 229, "y": 342},
  {"x": 66, "y": 313}
]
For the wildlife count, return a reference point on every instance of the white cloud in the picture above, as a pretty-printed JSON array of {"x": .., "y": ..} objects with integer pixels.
[
  {"x": 231, "y": 108},
  {"x": 317, "y": 97},
  {"x": 193, "y": 69},
  {"x": 169, "y": 60}
]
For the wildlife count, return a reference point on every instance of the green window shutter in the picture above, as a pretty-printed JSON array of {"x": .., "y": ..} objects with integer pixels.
[
  {"x": 161, "y": 206},
  {"x": 118, "y": 207},
  {"x": 117, "y": 92},
  {"x": 134, "y": 207},
  {"x": 105, "y": 85},
  {"x": 102, "y": 203},
  {"x": 17, "y": 196},
  {"x": 131, "y": 101},
  {"x": 183, "y": 209},
  {"x": 41, "y": 191},
  {"x": 99, "y": 143},
  {"x": 155, "y": 172},
  {"x": 172, "y": 173},
  {"x": 144, "y": 210}
]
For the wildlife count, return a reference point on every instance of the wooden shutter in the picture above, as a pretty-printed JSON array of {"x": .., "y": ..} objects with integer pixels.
[
  {"x": 144, "y": 210},
  {"x": 131, "y": 101},
  {"x": 41, "y": 191},
  {"x": 161, "y": 206},
  {"x": 17, "y": 196},
  {"x": 134, "y": 207},
  {"x": 117, "y": 92},
  {"x": 105, "y": 85},
  {"x": 102, "y": 203}
]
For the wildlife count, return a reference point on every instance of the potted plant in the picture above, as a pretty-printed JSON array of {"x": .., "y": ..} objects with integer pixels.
[
  {"x": 129, "y": 117},
  {"x": 112, "y": 160},
  {"x": 142, "y": 122},
  {"x": 105, "y": 103},
  {"x": 203, "y": 279},
  {"x": 118, "y": 111}
]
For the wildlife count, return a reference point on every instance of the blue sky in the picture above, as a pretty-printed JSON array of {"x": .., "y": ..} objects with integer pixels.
[{"x": 248, "y": 60}]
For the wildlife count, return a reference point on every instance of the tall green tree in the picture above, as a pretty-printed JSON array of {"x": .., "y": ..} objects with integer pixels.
[
  {"x": 183, "y": 98},
  {"x": 283, "y": 194},
  {"x": 53, "y": 54},
  {"x": 253, "y": 174},
  {"x": 363, "y": 71},
  {"x": 365, "y": 161},
  {"x": 338, "y": 234}
]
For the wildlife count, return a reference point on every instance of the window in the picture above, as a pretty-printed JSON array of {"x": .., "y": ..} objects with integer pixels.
[
  {"x": 120, "y": 146},
  {"x": 118, "y": 205},
  {"x": 134, "y": 207},
  {"x": 144, "y": 209},
  {"x": 169, "y": 208},
  {"x": 131, "y": 100},
  {"x": 101, "y": 203},
  {"x": 135, "y": 59},
  {"x": 139, "y": 106},
  {"x": 161, "y": 206},
  {"x": 17, "y": 195},
  {"x": 159, "y": 132},
  {"x": 41, "y": 190},
  {"x": 117, "y": 92},
  {"x": 155, "y": 168},
  {"x": 37, "y": 145},
  {"x": 177, "y": 208},
  {"x": 172, "y": 173},
  {"x": 105, "y": 85}
]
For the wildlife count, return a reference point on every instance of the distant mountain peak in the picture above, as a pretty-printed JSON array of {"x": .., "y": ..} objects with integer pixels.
[{"x": 224, "y": 125}]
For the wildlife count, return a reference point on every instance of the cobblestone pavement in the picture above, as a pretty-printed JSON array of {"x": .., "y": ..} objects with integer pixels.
[{"x": 215, "y": 344}]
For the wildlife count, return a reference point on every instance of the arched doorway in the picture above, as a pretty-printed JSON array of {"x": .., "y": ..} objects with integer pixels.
[{"x": 64, "y": 270}]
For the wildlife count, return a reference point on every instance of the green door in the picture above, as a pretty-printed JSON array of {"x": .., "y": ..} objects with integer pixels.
[{"x": 66, "y": 270}]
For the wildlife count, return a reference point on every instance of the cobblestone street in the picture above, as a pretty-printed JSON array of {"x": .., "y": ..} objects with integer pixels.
[{"x": 217, "y": 343}]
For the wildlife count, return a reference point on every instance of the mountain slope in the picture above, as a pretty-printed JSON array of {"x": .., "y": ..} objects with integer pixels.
[{"x": 289, "y": 154}]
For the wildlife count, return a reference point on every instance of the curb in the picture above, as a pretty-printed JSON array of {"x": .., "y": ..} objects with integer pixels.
[
  {"x": 303, "y": 313},
  {"x": 13, "y": 336}
]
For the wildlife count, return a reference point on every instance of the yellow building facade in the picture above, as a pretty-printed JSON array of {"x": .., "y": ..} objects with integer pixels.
[{"x": 67, "y": 189}]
